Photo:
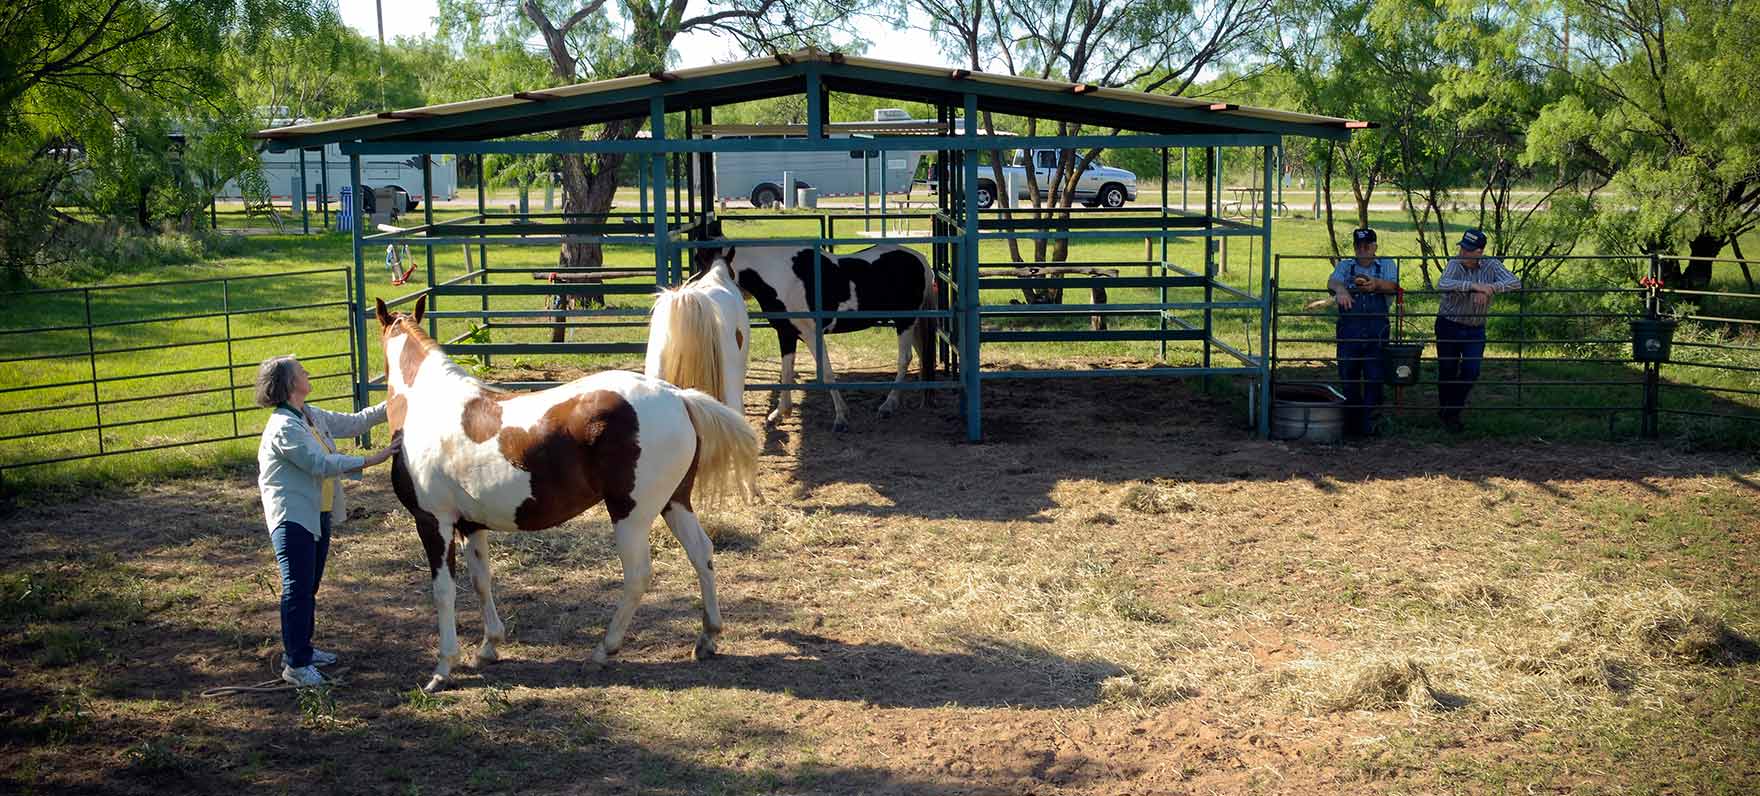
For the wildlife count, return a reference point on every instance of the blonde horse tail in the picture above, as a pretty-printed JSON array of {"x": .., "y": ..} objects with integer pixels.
[
  {"x": 727, "y": 448},
  {"x": 684, "y": 341}
]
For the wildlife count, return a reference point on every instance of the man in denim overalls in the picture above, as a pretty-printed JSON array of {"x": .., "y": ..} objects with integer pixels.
[{"x": 1361, "y": 285}]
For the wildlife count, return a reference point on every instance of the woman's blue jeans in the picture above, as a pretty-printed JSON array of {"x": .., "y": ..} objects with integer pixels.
[{"x": 301, "y": 559}]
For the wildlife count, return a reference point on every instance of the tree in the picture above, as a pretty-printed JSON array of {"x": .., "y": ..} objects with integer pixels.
[
  {"x": 82, "y": 79},
  {"x": 1149, "y": 45},
  {"x": 1662, "y": 110},
  {"x": 584, "y": 41}
]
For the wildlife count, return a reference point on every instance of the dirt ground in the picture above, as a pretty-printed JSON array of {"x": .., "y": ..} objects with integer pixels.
[{"x": 1117, "y": 593}]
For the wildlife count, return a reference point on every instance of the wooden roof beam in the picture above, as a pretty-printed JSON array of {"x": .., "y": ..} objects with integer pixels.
[
  {"x": 405, "y": 115},
  {"x": 1083, "y": 88},
  {"x": 535, "y": 96}
]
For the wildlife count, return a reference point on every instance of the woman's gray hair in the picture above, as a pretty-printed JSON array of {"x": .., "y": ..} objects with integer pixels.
[{"x": 275, "y": 380}]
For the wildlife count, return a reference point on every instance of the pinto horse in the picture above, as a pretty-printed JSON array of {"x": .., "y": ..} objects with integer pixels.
[
  {"x": 477, "y": 459},
  {"x": 884, "y": 278}
]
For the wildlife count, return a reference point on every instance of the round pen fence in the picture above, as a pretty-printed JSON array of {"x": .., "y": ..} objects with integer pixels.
[
  {"x": 102, "y": 371},
  {"x": 1567, "y": 348}
]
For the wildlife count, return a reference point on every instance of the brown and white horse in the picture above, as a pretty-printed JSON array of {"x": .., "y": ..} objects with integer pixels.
[{"x": 477, "y": 459}]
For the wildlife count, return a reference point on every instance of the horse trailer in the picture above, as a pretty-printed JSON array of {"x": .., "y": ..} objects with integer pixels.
[{"x": 757, "y": 176}]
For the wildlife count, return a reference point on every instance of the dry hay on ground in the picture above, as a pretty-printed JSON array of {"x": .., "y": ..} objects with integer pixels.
[{"x": 1115, "y": 594}]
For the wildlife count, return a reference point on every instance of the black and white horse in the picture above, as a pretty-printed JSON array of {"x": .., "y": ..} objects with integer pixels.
[{"x": 884, "y": 278}]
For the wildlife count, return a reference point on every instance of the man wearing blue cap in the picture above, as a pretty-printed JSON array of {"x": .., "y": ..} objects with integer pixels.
[
  {"x": 1360, "y": 285},
  {"x": 1467, "y": 284}
]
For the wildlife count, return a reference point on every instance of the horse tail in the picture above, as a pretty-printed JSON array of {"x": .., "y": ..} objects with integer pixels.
[
  {"x": 727, "y": 448},
  {"x": 684, "y": 341},
  {"x": 924, "y": 328}
]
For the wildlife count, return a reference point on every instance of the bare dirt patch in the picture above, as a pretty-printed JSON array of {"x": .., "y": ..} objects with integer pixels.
[{"x": 1116, "y": 593}]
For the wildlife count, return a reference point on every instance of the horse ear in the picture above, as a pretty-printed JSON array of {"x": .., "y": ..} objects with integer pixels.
[
  {"x": 384, "y": 315},
  {"x": 421, "y": 304},
  {"x": 727, "y": 256}
]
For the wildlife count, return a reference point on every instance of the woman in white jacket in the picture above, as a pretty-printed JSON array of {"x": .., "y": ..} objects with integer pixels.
[{"x": 298, "y": 471}]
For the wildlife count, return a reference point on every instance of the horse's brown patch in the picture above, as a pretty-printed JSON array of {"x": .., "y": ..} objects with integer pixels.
[
  {"x": 396, "y": 409},
  {"x": 682, "y": 495},
  {"x": 582, "y": 450},
  {"x": 482, "y": 418},
  {"x": 739, "y": 340},
  {"x": 410, "y": 359}
]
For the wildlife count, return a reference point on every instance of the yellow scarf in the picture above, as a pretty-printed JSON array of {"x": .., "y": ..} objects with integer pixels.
[{"x": 327, "y": 494}]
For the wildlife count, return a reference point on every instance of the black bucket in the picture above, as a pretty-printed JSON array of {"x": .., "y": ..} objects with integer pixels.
[
  {"x": 1399, "y": 363},
  {"x": 1651, "y": 338}
]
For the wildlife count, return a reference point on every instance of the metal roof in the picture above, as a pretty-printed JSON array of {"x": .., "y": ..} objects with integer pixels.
[{"x": 529, "y": 112}]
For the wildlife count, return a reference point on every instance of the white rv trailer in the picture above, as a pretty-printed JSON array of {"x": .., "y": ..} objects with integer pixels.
[
  {"x": 757, "y": 176},
  {"x": 402, "y": 172}
]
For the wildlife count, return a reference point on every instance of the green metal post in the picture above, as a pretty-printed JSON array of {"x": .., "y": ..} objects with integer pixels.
[
  {"x": 1265, "y": 300},
  {"x": 968, "y": 294},
  {"x": 324, "y": 181},
  {"x": 816, "y": 110},
  {"x": 482, "y": 250},
  {"x": 1161, "y": 316},
  {"x": 305, "y": 216},
  {"x": 359, "y": 305},
  {"x": 428, "y": 218},
  {"x": 657, "y": 164}
]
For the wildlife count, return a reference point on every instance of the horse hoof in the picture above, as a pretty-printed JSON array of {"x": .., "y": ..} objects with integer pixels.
[
  {"x": 773, "y": 418},
  {"x": 600, "y": 656},
  {"x": 435, "y": 685},
  {"x": 487, "y": 655},
  {"x": 885, "y": 413},
  {"x": 840, "y": 427},
  {"x": 705, "y": 648}
]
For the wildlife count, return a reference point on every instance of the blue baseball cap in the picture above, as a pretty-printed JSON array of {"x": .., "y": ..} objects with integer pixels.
[
  {"x": 1364, "y": 235},
  {"x": 1473, "y": 239}
]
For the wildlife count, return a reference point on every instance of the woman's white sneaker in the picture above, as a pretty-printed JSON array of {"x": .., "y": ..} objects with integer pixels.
[
  {"x": 322, "y": 658},
  {"x": 304, "y": 676}
]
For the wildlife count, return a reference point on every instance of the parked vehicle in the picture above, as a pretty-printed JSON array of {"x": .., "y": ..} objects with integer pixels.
[
  {"x": 1098, "y": 185},
  {"x": 757, "y": 176},
  {"x": 400, "y": 173}
]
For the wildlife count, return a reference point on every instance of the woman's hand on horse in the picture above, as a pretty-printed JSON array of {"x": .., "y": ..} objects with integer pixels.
[{"x": 386, "y": 452}]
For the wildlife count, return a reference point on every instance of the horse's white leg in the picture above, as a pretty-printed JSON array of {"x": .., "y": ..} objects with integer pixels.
[
  {"x": 638, "y": 569},
  {"x": 841, "y": 423},
  {"x": 476, "y": 555},
  {"x": 445, "y": 606},
  {"x": 698, "y": 547},
  {"x": 905, "y": 340},
  {"x": 785, "y": 402}
]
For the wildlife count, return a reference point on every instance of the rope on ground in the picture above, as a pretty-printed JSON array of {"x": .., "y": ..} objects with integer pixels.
[{"x": 273, "y": 686}]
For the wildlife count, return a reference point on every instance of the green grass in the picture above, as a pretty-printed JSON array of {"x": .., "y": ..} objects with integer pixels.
[{"x": 133, "y": 416}]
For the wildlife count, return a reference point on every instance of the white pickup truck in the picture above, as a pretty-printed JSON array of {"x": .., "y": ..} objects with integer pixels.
[{"x": 1098, "y": 186}]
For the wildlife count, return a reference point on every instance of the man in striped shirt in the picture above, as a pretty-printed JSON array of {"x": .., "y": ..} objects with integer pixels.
[{"x": 1467, "y": 284}]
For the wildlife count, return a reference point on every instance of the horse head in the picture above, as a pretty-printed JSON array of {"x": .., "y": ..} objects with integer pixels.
[
  {"x": 708, "y": 258},
  {"x": 405, "y": 346}
]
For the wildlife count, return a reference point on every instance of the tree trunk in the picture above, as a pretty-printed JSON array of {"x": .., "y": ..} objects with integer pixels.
[
  {"x": 1736, "y": 245},
  {"x": 1696, "y": 274},
  {"x": 590, "y": 192},
  {"x": 1326, "y": 190}
]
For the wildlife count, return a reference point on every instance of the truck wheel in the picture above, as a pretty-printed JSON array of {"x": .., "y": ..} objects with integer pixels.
[
  {"x": 1112, "y": 195},
  {"x": 766, "y": 195},
  {"x": 986, "y": 194},
  {"x": 410, "y": 202}
]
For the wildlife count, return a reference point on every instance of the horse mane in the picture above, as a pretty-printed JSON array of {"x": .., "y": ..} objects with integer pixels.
[{"x": 428, "y": 346}]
